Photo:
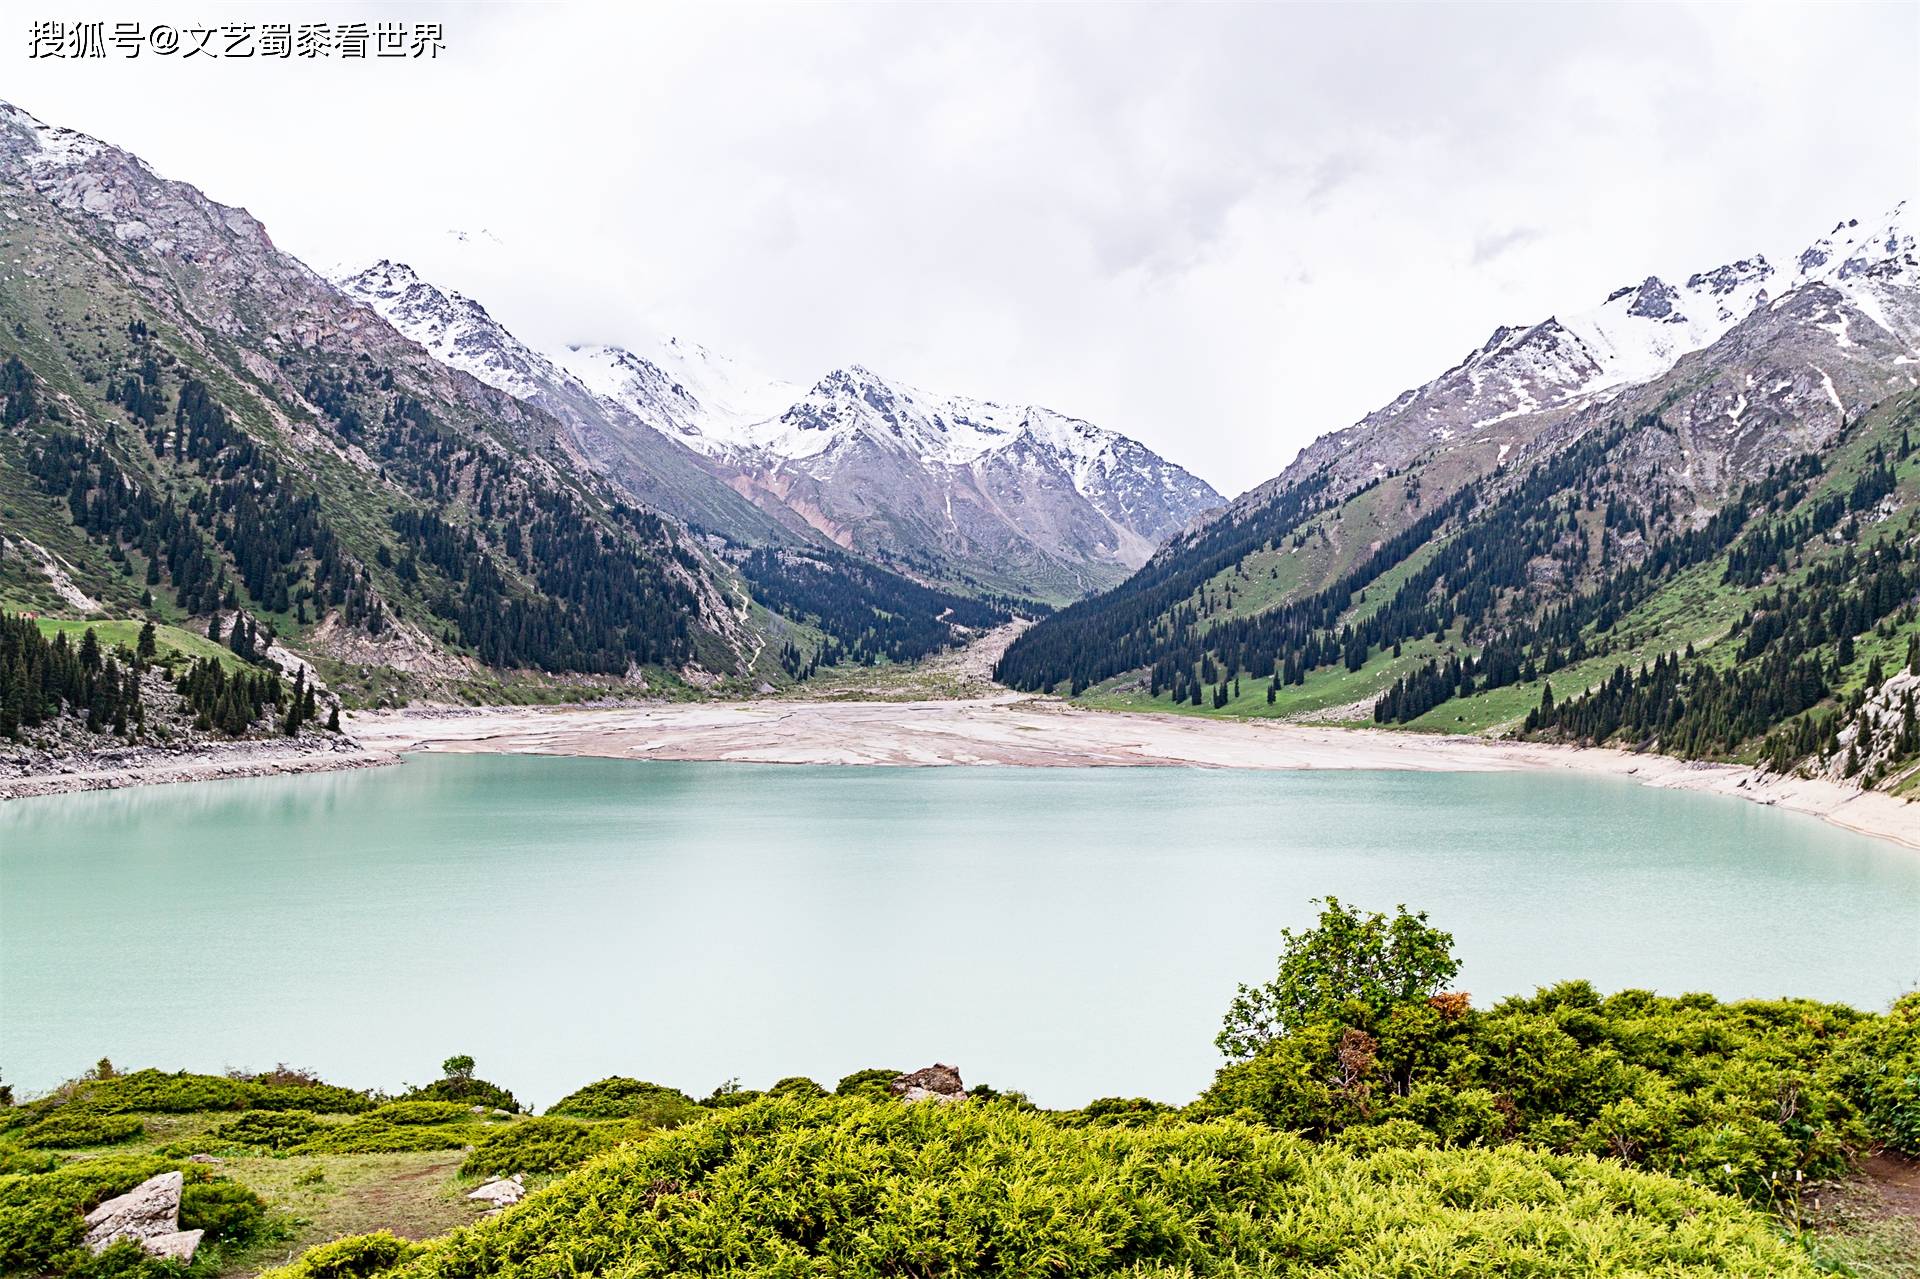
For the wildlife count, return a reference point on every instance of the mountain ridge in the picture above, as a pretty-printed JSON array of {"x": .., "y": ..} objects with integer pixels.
[
  {"x": 996, "y": 498},
  {"x": 1722, "y": 561}
]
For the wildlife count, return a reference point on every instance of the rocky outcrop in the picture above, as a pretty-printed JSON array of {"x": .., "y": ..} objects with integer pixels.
[
  {"x": 930, "y": 1083},
  {"x": 502, "y": 1192},
  {"x": 149, "y": 1215}
]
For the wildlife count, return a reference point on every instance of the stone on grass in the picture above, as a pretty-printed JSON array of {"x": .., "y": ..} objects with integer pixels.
[
  {"x": 178, "y": 1246},
  {"x": 149, "y": 1214},
  {"x": 502, "y": 1191}
]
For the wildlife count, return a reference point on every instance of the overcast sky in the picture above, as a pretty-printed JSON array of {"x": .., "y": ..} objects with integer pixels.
[{"x": 1222, "y": 230}]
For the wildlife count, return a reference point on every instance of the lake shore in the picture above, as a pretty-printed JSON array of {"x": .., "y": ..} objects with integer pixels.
[
  {"x": 1000, "y": 729},
  {"x": 153, "y": 766},
  {"x": 1014, "y": 730}
]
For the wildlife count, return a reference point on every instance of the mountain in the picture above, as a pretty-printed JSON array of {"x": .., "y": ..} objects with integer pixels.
[
  {"x": 1014, "y": 498},
  {"x": 657, "y": 469},
  {"x": 1685, "y": 520},
  {"x": 200, "y": 429},
  {"x": 1015, "y": 501},
  {"x": 1525, "y": 377}
]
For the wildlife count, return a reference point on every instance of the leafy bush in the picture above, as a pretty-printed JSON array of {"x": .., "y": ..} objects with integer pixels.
[
  {"x": 1880, "y": 1067},
  {"x": 458, "y": 1084},
  {"x": 873, "y": 1082},
  {"x": 355, "y": 1257},
  {"x": 322, "y": 1099},
  {"x": 844, "y": 1187},
  {"x": 369, "y": 1136},
  {"x": 467, "y": 1092},
  {"x": 622, "y": 1098},
  {"x": 421, "y": 1112},
  {"x": 183, "y": 1092},
  {"x": 535, "y": 1145},
  {"x": 1750, "y": 1097},
  {"x": 1348, "y": 958},
  {"x": 70, "y": 1126},
  {"x": 796, "y": 1086},
  {"x": 158, "y": 1092},
  {"x": 18, "y": 1159},
  {"x": 226, "y": 1210},
  {"x": 1126, "y": 1112},
  {"x": 272, "y": 1129}
]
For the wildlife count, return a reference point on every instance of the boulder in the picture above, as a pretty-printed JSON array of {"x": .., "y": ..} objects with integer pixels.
[
  {"x": 502, "y": 1192},
  {"x": 149, "y": 1214},
  {"x": 178, "y": 1246},
  {"x": 937, "y": 1082}
]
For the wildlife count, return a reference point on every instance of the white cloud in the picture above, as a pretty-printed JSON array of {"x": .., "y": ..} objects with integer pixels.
[{"x": 1224, "y": 230}]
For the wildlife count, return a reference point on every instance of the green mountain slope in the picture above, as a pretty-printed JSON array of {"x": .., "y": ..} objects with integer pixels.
[
  {"x": 1743, "y": 525},
  {"x": 194, "y": 425}
]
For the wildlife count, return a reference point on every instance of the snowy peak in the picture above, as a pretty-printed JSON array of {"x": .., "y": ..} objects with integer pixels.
[
  {"x": 1865, "y": 260},
  {"x": 705, "y": 400},
  {"x": 44, "y": 145},
  {"x": 455, "y": 328}
]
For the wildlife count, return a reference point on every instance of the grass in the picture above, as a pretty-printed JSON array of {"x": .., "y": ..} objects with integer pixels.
[
  {"x": 170, "y": 639},
  {"x": 1327, "y": 689},
  {"x": 320, "y": 1197}
]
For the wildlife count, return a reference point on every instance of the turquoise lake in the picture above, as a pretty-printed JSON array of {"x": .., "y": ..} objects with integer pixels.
[{"x": 1071, "y": 932}]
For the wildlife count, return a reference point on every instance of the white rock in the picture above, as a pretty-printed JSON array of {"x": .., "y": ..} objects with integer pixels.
[
  {"x": 178, "y": 1246},
  {"x": 502, "y": 1192},
  {"x": 151, "y": 1210}
]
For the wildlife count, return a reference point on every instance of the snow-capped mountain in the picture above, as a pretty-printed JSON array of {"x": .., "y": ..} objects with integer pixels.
[
  {"x": 1011, "y": 495},
  {"x": 1015, "y": 498},
  {"x": 459, "y": 332},
  {"x": 455, "y": 328},
  {"x": 1525, "y": 378}
]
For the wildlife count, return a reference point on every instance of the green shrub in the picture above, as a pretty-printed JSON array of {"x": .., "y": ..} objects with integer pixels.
[
  {"x": 622, "y": 1098},
  {"x": 226, "y": 1210},
  {"x": 458, "y": 1084},
  {"x": 872, "y": 1083},
  {"x": 421, "y": 1112},
  {"x": 843, "y": 1187},
  {"x": 369, "y": 1136},
  {"x": 271, "y": 1129},
  {"x": 321, "y": 1099},
  {"x": 535, "y": 1145},
  {"x": 1749, "y": 1097},
  {"x": 796, "y": 1086},
  {"x": 158, "y": 1092},
  {"x": 355, "y": 1257},
  {"x": 1880, "y": 1068},
  {"x": 18, "y": 1159},
  {"x": 1124, "y": 1112},
  {"x": 70, "y": 1127}
]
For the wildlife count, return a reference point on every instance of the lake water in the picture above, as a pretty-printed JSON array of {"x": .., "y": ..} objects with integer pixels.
[{"x": 1075, "y": 933}]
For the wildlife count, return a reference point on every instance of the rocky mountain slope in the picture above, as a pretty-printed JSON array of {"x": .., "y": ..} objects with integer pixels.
[
  {"x": 1015, "y": 498},
  {"x": 1525, "y": 379},
  {"x": 1020, "y": 501},
  {"x": 1741, "y": 520},
  {"x": 657, "y": 469},
  {"x": 197, "y": 429},
  {"x": 194, "y": 422}
]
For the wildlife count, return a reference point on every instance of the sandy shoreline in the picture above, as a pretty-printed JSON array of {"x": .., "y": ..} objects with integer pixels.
[
  {"x": 1003, "y": 729},
  {"x": 1028, "y": 732}
]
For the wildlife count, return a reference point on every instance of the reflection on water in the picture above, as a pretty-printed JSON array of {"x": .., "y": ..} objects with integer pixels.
[{"x": 1074, "y": 933}]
